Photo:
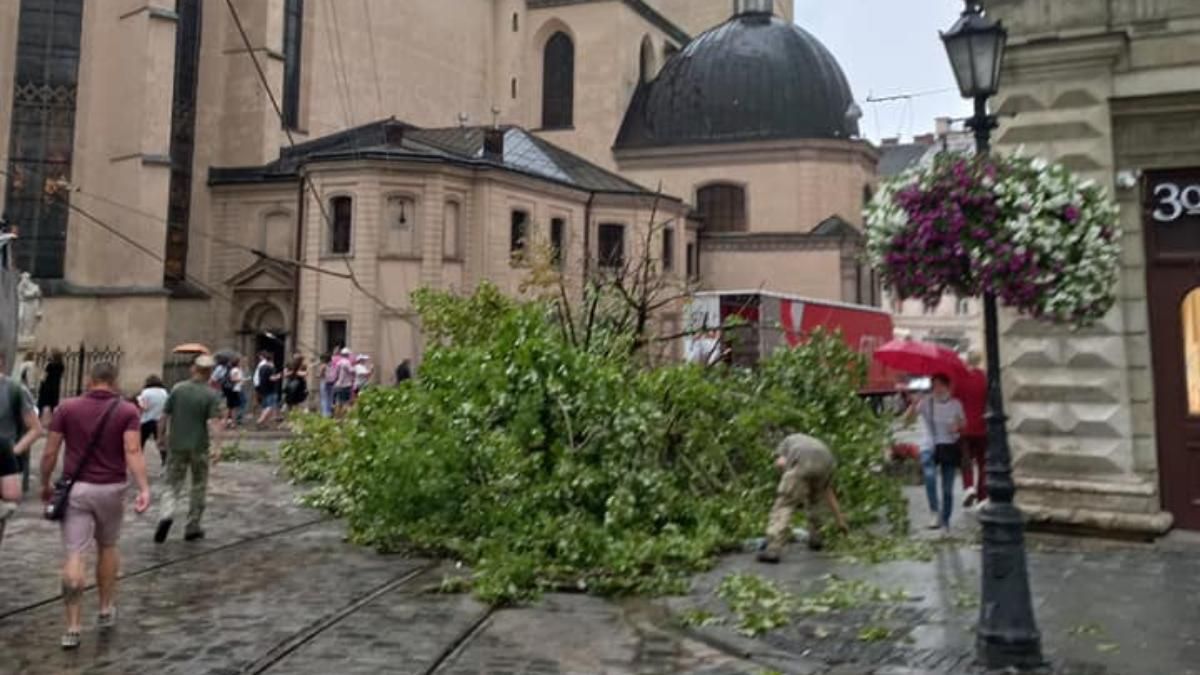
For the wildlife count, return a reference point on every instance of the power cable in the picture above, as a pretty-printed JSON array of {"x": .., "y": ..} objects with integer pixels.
[
  {"x": 306, "y": 180},
  {"x": 374, "y": 63}
]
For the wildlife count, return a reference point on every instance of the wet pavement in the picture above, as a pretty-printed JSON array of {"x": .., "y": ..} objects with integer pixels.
[
  {"x": 1104, "y": 608},
  {"x": 276, "y": 589}
]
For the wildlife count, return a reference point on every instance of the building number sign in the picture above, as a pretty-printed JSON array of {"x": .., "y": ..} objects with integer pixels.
[{"x": 1172, "y": 201}]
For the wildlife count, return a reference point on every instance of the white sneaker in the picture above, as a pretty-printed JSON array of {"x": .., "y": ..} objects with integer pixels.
[
  {"x": 935, "y": 522},
  {"x": 969, "y": 498}
]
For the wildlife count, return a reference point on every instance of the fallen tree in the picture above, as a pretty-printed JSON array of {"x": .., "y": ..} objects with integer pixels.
[{"x": 546, "y": 463}]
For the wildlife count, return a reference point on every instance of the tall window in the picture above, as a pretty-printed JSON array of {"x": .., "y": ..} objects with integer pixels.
[
  {"x": 293, "y": 33},
  {"x": 558, "y": 82},
  {"x": 183, "y": 139},
  {"x": 723, "y": 207},
  {"x": 693, "y": 262},
  {"x": 668, "y": 249},
  {"x": 452, "y": 231},
  {"x": 42, "y": 136},
  {"x": 335, "y": 334},
  {"x": 518, "y": 237},
  {"x": 341, "y": 216},
  {"x": 612, "y": 245},
  {"x": 558, "y": 239},
  {"x": 403, "y": 232}
]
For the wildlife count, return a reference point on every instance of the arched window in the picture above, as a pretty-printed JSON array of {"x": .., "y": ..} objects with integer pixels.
[
  {"x": 341, "y": 210},
  {"x": 722, "y": 207},
  {"x": 558, "y": 82}
]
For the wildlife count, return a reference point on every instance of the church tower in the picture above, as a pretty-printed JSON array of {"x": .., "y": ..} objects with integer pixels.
[{"x": 697, "y": 16}]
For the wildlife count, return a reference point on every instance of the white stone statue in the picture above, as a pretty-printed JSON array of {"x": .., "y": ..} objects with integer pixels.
[{"x": 29, "y": 309}]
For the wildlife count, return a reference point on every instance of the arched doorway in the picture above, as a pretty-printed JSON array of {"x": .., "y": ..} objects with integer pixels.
[{"x": 264, "y": 329}]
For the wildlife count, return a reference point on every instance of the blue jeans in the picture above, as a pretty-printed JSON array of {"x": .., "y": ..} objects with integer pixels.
[
  {"x": 326, "y": 399},
  {"x": 930, "y": 470}
]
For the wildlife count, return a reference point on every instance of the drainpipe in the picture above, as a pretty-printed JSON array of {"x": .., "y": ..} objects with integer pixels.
[
  {"x": 587, "y": 236},
  {"x": 298, "y": 254}
]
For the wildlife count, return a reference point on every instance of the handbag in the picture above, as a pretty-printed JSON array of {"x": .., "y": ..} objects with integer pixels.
[
  {"x": 56, "y": 508},
  {"x": 943, "y": 453}
]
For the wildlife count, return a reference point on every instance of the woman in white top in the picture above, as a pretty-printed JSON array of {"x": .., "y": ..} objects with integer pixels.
[
  {"x": 151, "y": 401},
  {"x": 941, "y": 420}
]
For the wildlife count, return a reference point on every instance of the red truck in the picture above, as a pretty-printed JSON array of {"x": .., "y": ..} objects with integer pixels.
[{"x": 772, "y": 320}]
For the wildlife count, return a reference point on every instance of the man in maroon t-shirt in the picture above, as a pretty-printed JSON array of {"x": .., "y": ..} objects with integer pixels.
[
  {"x": 972, "y": 391},
  {"x": 106, "y": 429}
]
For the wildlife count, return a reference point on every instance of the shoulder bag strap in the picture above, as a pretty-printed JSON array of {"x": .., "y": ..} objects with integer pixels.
[
  {"x": 87, "y": 453},
  {"x": 929, "y": 422}
]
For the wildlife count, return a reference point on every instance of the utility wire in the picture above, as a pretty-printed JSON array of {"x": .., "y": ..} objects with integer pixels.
[
  {"x": 374, "y": 63},
  {"x": 304, "y": 177}
]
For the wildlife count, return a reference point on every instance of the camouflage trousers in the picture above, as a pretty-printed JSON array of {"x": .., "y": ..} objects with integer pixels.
[
  {"x": 179, "y": 464},
  {"x": 797, "y": 488}
]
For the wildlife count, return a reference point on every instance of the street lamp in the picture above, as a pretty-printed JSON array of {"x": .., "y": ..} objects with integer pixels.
[{"x": 1007, "y": 634}]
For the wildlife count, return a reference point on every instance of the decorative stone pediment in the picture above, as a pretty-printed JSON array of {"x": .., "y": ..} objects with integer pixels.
[{"x": 263, "y": 275}]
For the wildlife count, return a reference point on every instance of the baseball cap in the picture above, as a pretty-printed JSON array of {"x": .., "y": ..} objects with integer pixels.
[
  {"x": 346, "y": 351},
  {"x": 205, "y": 361}
]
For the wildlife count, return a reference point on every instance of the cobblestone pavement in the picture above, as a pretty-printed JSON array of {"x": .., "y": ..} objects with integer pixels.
[
  {"x": 1104, "y": 608},
  {"x": 276, "y": 589}
]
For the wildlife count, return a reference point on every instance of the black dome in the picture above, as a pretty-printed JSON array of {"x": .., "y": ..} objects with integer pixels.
[{"x": 755, "y": 77}]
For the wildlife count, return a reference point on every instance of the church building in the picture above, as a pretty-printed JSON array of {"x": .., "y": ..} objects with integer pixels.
[{"x": 283, "y": 174}]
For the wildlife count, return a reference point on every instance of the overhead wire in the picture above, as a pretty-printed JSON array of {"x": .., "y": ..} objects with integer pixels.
[{"x": 306, "y": 180}]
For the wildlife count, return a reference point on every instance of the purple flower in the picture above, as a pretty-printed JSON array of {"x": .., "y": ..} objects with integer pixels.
[{"x": 1071, "y": 213}]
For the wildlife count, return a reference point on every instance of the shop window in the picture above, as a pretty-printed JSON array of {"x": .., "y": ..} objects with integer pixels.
[
  {"x": 722, "y": 207},
  {"x": 1191, "y": 349},
  {"x": 558, "y": 82}
]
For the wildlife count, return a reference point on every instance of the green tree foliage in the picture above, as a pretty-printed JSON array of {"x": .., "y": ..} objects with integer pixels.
[{"x": 545, "y": 464}]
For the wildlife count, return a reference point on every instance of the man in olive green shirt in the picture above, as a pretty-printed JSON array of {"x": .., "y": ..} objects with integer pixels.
[{"x": 191, "y": 431}]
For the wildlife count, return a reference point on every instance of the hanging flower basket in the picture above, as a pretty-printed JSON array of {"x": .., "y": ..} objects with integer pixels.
[{"x": 1043, "y": 241}]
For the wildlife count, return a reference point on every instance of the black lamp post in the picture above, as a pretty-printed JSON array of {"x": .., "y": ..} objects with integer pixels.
[{"x": 1007, "y": 634}]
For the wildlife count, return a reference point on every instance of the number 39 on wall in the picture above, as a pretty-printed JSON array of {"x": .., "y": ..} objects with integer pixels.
[{"x": 1172, "y": 202}]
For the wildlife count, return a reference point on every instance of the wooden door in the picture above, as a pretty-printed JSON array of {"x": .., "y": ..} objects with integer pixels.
[{"x": 1172, "y": 227}]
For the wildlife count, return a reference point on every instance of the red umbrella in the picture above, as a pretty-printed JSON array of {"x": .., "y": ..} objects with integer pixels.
[{"x": 920, "y": 358}]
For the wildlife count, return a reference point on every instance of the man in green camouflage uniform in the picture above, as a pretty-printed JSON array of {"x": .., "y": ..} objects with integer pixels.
[{"x": 808, "y": 467}]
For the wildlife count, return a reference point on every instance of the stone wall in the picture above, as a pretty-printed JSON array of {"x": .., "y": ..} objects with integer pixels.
[{"x": 1080, "y": 83}]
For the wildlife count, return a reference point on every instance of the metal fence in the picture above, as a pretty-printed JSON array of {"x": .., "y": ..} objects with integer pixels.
[{"x": 77, "y": 361}]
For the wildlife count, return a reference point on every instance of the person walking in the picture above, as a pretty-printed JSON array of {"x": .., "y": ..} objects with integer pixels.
[
  {"x": 807, "y": 466},
  {"x": 151, "y": 401},
  {"x": 326, "y": 386},
  {"x": 266, "y": 386},
  {"x": 942, "y": 420},
  {"x": 295, "y": 383},
  {"x": 101, "y": 434},
  {"x": 191, "y": 429},
  {"x": 19, "y": 429},
  {"x": 343, "y": 382},
  {"x": 973, "y": 394},
  {"x": 235, "y": 397},
  {"x": 50, "y": 391},
  {"x": 363, "y": 372}
]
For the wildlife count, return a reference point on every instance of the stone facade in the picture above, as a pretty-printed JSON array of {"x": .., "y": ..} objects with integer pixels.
[
  {"x": 1108, "y": 89},
  {"x": 429, "y": 63}
]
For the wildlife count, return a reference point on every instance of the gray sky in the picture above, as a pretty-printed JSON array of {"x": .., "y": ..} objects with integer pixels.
[{"x": 887, "y": 48}]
